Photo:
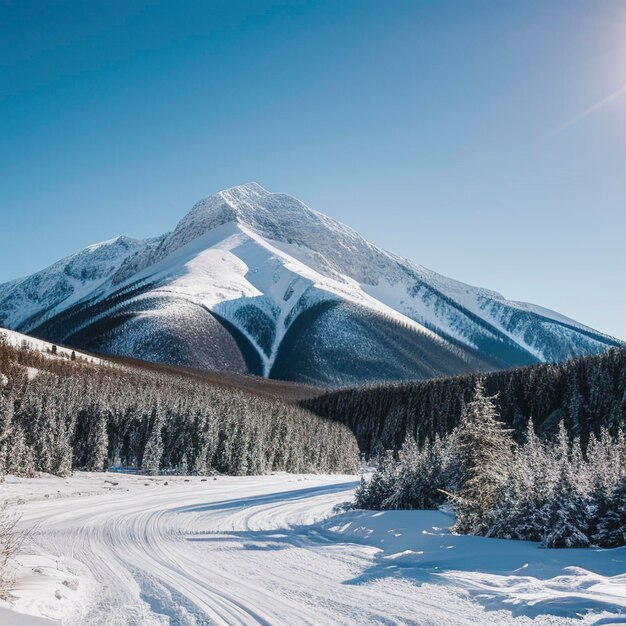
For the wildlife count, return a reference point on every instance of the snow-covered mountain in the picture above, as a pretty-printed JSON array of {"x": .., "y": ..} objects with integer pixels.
[{"x": 253, "y": 281}]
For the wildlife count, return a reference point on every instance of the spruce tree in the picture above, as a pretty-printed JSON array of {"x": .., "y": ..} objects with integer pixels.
[
  {"x": 565, "y": 513},
  {"x": 62, "y": 457},
  {"x": 611, "y": 526},
  {"x": 151, "y": 461},
  {"x": 483, "y": 449},
  {"x": 407, "y": 487},
  {"x": 224, "y": 463},
  {"x": 374, "y": 493},
  {"x": 6, "y": 431},
  {"x": 240, "y": 449},
  {"x": 99, "y": 443}
]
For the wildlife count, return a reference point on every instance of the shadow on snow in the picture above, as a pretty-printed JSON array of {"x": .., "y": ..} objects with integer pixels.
[{"x": 516, "y": 576}]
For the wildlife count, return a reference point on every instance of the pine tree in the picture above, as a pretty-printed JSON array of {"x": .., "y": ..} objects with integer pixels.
[
  {"x": 223, "y": 455},
  {"x": 62, "y": 456},
  {"x": 20, "y": 459},
  {"x": 483, "y": 449},
  {"x": 6, "y": 430},
  {"x": 407, "y": 486},
  {"x": 151, "y": 461},
  {"x": 99, "y": 443},
  {"x": 565, "y": 513},
  {"x": 611, "y": 526},
  {"x": 374, "y": 493},
  {"x": 240, "y": 449},
  {"x": 204, "y": 445},
  {"x": 504, "y": 518},
  {"x": 534, "y": 483},
  {"x": 378, "y": 452},
  {"x": 183, "y": 466}
]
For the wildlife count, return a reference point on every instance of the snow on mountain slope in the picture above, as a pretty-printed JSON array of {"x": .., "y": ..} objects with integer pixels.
[
  {"x": 27, "y": 301},
  {"x": 234, "y": 273},
  {"x": 247, "y": 277}
]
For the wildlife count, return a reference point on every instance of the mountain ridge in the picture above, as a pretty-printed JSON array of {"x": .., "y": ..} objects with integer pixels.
[{"x": 243, "y": 265}]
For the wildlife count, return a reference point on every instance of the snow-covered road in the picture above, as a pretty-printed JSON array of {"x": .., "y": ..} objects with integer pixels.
[{"x": 259, "y": 550}]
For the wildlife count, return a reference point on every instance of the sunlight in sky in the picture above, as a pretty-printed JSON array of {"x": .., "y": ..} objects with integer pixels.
[
  {"x": 592, "y": 109},
  {"x": 483, "y": 140}
]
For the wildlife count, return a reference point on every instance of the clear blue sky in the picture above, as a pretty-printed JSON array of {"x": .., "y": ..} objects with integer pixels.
[{"x": 472, "y": 137}]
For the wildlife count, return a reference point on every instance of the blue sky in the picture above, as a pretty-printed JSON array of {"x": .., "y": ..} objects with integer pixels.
[{"x": 484, "y": 140}]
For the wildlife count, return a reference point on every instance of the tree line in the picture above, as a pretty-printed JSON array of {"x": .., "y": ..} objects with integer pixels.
[
  {"x": 58, "y": 414},
  {"x": 537, "y": 490},
  {"x": 585, "y": 394}
]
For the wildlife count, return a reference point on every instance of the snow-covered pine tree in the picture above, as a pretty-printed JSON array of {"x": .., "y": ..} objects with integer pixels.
[
  {"x": 6, "y": 430},
  {"x": 534, "y": 475},
  {"x": 183, "y": 466},
  {"x": 419, "y": 474},
  {"x": 607, "y": 461},
  {"x": 62, "y": 450},
  {"x": 611, "y": 526},
  {"x": 435, "y": 467},
  {"x": 204, "y": 444},
  {"x": 565, "y": 515},
  {"x": 565, "y": 512},
  {"x": 504, "y": 518},
  {"x": 240, "y": 448},
  {"x": 372, "y": 494},
  {"x": 378, "y": 452},
  {"x": 224, "y": 455},
  {"x": 483, "y": 447},
  {"x": 151, "y": 461},
  {"x": 93, "y": 439},
  {"x": 22, "y": 462},
  {"x": 573, "y": 399},
  {"x": 407, "y": 486},
  {"x": 40, "y": 426},
  {"x": 100, "y": 442}
]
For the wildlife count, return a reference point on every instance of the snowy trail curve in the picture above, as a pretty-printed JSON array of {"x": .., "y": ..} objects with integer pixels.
[
  {"x": 136, "y": 547},
  {"x": 249, "y": 550}
]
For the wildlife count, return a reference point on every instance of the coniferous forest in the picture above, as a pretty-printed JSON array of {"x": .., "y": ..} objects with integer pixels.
[
  {"x": 542, "y": 458},
  {"x": 243, "y": 379},
  {"x": 538, "y": 490},
  {"x": 59, "y": 414},
  {"x": 586, "y": 394}
]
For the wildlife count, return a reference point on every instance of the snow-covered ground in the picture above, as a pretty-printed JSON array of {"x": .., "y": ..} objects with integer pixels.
[
  {"x": 122, "y": 549},
  {"x": 19, "y": 340}
]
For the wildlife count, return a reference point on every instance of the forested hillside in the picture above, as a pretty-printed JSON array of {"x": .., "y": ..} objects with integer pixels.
[
  {"x": 59, "y": 413},
  {"x": 586, "y": 393}
]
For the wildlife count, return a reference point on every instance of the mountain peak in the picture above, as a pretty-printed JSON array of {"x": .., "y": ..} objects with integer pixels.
[
  {"x": 299, "y": 287},
  {"x": 250, "y": 187},
  {"x": 273, "y": 215},
  {"x": 243, "y": 199}
]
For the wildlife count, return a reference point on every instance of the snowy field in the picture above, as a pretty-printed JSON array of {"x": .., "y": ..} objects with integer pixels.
[{"x": 121, "y": 549}]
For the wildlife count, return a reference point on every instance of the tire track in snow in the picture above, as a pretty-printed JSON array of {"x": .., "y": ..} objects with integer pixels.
[
  {"x": 126, "y": 540},
  {"x": 231, "y": 551}
]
